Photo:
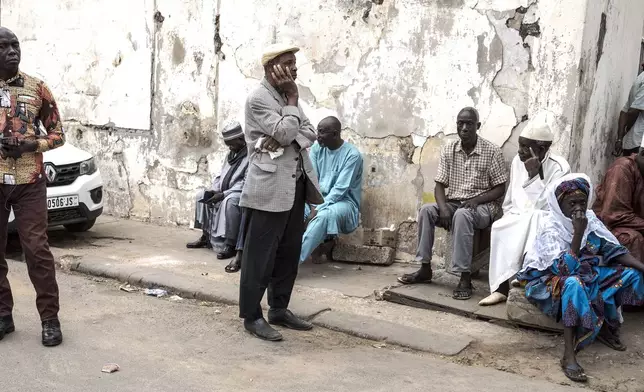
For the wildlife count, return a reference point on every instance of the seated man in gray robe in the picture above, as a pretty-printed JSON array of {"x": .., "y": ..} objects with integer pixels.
[{"x": 218, "y": 213}]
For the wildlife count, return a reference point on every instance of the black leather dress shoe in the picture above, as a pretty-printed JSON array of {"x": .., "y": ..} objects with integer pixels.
[
  {"x": 227, "y": 253},
  {"x": 51, "y": 334},
  {"x": 286, "y": 318},
  {"x": 199, "y": 244},
  {"x": 262, "y": 330},
  {"x": 6, "y": 326}
]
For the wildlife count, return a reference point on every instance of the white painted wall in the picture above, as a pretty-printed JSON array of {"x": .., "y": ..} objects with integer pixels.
[
  {"x": 94, "y": 56},
  {"x": 605, "y": 84},
  {"x": 395, "y": 73}
]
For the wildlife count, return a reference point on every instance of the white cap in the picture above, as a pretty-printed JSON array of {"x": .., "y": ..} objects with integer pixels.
[
  {"x": 275, "y": 50},
  {"x": 539, "y": 127}
]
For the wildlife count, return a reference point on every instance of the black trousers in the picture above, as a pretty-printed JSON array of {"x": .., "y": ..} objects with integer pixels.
[{"x": 273, "y": 241}]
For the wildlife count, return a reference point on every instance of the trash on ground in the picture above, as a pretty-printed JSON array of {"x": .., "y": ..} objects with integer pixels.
[
  {"x": 110, "y": 368},
  {"x": 207, "y": 304},
  {"x": 156, "y": 292},
  {"x": 337, "y": 267},
  {"x": 379, "y": 345},
  {"x": 127, "y": 288},
  {"x": 175, "y": 298},
  {"x": 217, "y": 311}
]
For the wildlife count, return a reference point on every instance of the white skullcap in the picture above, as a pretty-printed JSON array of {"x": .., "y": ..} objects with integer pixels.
[
  {"x": 275, "y": 50},
  {"x": 539, "y": 128}
]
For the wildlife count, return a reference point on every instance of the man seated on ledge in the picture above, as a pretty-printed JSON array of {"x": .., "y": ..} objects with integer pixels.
[
  {"x": 620, "y": 202},
  {"x": 469, "y": 189},
  {"x": 218, "y": 213},
  {"x": 338, "y": 165},
  {"x": 532, "y": 170}
]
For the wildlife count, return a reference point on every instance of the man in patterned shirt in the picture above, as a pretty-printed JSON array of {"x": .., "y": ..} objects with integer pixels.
[
  {"x": 26, "y": 105},
  {"x": 469, "y": 190}
]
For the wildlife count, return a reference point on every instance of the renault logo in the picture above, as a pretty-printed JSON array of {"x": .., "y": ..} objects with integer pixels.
[{"x": 50, "y": 172}]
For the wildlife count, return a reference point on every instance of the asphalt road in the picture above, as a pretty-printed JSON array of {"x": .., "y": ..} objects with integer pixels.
[{"x": 185, "y": 346}]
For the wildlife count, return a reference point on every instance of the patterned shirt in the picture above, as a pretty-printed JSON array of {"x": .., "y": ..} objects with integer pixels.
[
  {"x": 468, "y": 176},
  {"x": 25, "y": 104}
]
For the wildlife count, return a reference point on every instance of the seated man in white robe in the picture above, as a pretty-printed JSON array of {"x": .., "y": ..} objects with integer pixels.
[
  {"x": 533, "y": 169},
  {"x": 218, "y": 213}
]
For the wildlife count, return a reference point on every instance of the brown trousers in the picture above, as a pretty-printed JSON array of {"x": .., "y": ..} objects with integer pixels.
[{"x": 29, "y": 204}]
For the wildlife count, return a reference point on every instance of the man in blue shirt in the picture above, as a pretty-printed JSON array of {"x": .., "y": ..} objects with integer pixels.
[{"x": 339, "y": 168}]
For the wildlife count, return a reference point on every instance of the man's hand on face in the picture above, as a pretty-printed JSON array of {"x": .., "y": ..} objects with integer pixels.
[
  {"x": 285, "y": 82},
  {"x": 270, "y": 144},
  {"x": 533, "y": 164}
]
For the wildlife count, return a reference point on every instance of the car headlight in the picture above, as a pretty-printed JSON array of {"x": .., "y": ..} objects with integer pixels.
[{"x": 88, "y": 167}]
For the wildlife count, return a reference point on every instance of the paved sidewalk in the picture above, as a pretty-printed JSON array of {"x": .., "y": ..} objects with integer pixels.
[
  {"x": 162, "y": 345},
  {"x": 148, "y": 255}
]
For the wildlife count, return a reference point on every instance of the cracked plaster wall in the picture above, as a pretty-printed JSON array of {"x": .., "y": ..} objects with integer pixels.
[
  {"x": 608, "y": 66},
  {"x": 146, "y": 90}
]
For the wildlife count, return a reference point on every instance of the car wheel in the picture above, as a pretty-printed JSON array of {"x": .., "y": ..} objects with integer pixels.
[{"x": 80, "y": 227}]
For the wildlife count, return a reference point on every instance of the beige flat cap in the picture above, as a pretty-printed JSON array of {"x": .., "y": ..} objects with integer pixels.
[{"x": 275, "y": 50}]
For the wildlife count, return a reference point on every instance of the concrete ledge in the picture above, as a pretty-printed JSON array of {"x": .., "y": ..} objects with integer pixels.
[
  {"x": 380, "y": 330},
  {"x": 523, "y": 312},
  {"x": 364, "y": 254}
]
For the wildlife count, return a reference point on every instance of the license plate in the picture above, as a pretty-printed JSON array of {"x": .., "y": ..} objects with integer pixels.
[{"x": 54, "y": 203}]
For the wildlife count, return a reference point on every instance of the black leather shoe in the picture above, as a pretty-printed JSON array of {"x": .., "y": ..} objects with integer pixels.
[
  {"x": 199, "y": 244},
  {"x": 286, "y": 318},
  {"x": 6, "y": 326},
  {"x": 51, "y": 334},
  {"x": 227, "y": 253},
  {"x": 262, "y": 330}
]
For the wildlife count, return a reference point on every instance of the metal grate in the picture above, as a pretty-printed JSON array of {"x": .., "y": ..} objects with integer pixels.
[
  {"x": 64, "y": 215},
  {"x": 65, "y": 175}
]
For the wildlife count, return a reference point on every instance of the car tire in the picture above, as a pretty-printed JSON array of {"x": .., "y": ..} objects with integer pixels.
[{"x": 81, "y": 226}]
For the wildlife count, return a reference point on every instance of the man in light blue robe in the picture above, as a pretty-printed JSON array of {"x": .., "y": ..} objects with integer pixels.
[{"x": 339, "y": 168}]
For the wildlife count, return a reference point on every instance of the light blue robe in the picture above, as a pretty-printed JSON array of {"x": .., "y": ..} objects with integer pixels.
[{"x": 340, "y": 175}]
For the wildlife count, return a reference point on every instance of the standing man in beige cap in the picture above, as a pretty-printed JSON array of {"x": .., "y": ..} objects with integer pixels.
[
  {"x": 279, "y": 182},
  {"x": 532, "y": 170}
]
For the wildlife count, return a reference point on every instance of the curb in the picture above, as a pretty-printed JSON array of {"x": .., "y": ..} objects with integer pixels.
[{"x": 319, "y": 314}]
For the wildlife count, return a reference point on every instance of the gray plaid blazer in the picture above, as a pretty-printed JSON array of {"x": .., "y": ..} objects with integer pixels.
[{"x": 270, "y": 183}]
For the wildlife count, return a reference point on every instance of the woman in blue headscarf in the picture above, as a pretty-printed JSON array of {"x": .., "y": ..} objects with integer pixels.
[{"x": 578, "y": 273}]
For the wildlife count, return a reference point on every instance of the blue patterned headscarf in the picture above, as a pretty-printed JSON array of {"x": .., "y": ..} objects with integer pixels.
[{"x": 577, "y": 185}]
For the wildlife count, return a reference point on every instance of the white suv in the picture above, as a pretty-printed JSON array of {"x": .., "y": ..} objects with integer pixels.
[{"x": 74, "y": 189}]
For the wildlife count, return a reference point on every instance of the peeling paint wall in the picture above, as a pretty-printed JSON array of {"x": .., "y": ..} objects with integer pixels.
[
  {"x": 147, "y": 90},
  {"x": 608, "y": 66}
]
